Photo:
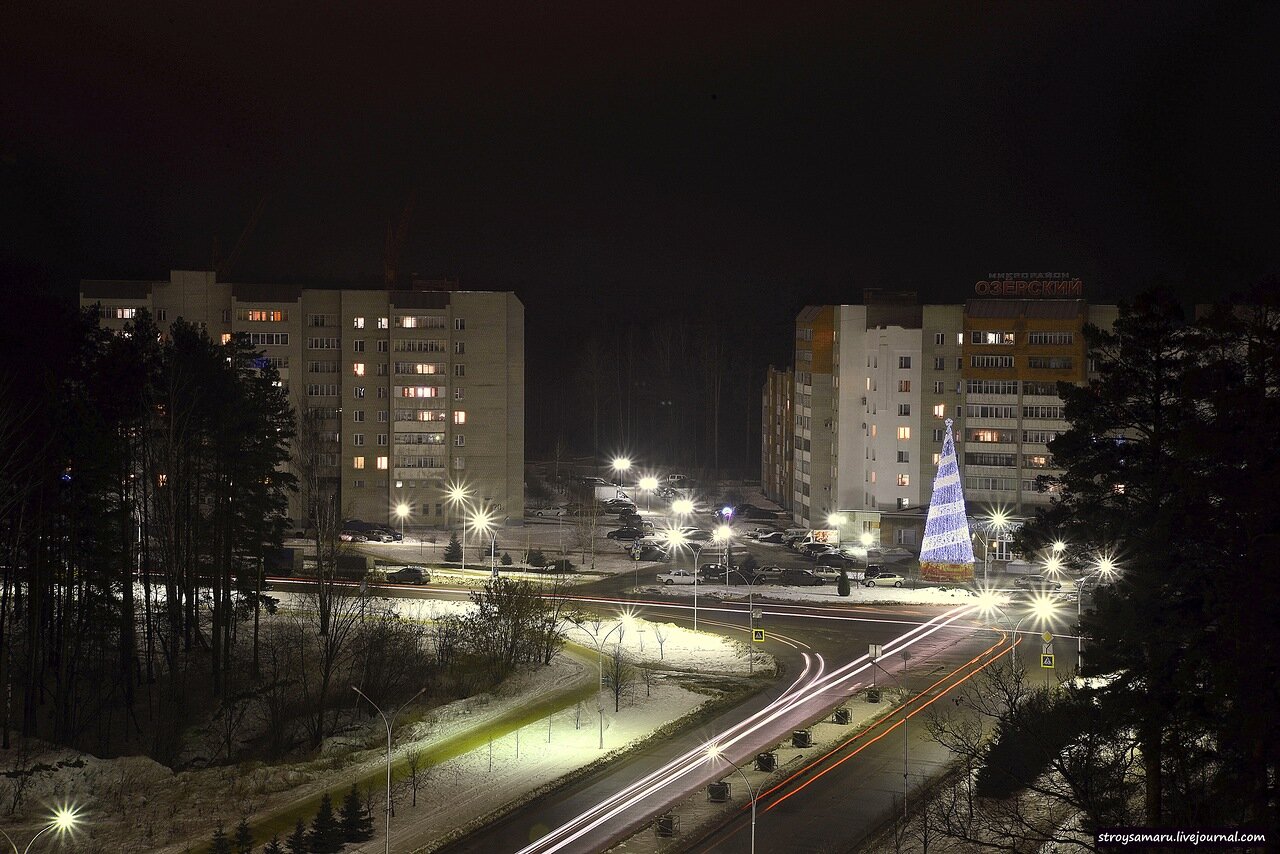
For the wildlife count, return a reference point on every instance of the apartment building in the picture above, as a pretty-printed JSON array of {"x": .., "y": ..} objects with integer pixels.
[
  {"x": 778, "y": 429},
  {"x": 415, "y": 389},
  {"x": 870, "y": 404}
]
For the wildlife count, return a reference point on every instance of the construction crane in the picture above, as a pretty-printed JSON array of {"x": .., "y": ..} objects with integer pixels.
[{"x": 395, "y": 242}]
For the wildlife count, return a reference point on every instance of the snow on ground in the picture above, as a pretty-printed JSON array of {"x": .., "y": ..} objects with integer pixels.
[
  {"x": 826, "y": 594},
  {"x": 136, "y": 801}
]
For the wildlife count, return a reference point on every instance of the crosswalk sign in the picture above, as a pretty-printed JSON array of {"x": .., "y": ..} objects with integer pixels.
[
  {"x": 757, "y": 635},
  {"x": 1046, "y": 661}
]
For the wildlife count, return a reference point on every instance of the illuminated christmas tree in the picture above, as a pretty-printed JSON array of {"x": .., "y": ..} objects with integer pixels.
[{"x": 947, "y": 551}]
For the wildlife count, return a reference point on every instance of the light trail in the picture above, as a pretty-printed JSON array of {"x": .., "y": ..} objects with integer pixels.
[{"x": 805, "y": 689}]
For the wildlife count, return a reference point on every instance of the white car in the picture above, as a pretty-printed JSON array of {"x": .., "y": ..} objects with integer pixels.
[
  {"x": 550, "y": 511},
  {"x": 679, "y": 576},
  {"x": 885, "y": 579}
]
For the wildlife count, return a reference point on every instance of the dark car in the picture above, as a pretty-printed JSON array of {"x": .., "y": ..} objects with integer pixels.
[
  {"x": 836, "y": 560},
  {"x": 628, "y": 516},
  {"x": 625, "y": 534},
  {"x": 409, "y": 575},
  {"x": 801, "y": 577},
  {"x": 771, "y": 537}
]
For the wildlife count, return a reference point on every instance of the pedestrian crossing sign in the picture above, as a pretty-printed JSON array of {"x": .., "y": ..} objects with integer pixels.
[
  {"x": 1046, "y": 661},
  {"x": 757, "y": 635}
]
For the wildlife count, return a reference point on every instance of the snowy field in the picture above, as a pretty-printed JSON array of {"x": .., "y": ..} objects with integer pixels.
[{"x": 136, "y": 804}]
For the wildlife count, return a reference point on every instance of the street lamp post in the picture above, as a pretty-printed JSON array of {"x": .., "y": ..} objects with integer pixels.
[
  {"x": 483, "y": 521},
  {"x": 995, "y": 523},
  {"x": 620, "y": 466},
  {"x": 402, "y": 511},
  {"x": 63, "y": 820},
  {"x": 599, "y": 644},
  {"x": 751, "y": 623},
  {"x": 724, "y": 534},
  {"x": 714, "y": 752},
  {"x": 648, "y": 484},
  {"x": 1105, "y": 567},
  {"x": 390, "y": 724}
]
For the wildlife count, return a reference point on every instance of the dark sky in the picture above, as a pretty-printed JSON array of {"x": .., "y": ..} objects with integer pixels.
[{"x": 643, "y": 157}]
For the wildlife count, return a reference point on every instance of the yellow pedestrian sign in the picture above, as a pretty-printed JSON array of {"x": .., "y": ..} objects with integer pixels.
[
  {"x": 757, "y": 635},
  {"x": 1046, "y": 660}
]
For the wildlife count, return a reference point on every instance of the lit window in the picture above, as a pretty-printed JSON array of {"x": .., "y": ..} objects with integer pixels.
[
  {"x": 937, "y": 458},
  {"x": 357, "y": 322},
  {"x": 940, "y": 410},
  {"x": 873, "y": 477},
  {"x": 460, "y": 416},
  {"x": 382, "y": 463},
  {"x": 904, "y": 480},
  {"x": 904, "y": 432},
  {"x": 382, "y": 323},
  {"x": 357, "y": 463},
  {"x": 904, "y": 385},
  {"x": 357, "y": 368},
  {"x": 873, "y": 431},
  {"x": 226, "y": 338}
]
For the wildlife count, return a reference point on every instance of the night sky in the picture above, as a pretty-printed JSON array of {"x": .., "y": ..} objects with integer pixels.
[{"x": 610, "y": 159}]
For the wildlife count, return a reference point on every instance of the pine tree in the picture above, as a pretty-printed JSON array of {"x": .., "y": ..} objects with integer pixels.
[
  {"x": 297, "y": 841},
  {"x": 220, "y": 844},
  {"x": 506, "y": 559},
  {"x": 842, "y": 586},
  {"x": 357, "y": 824},
  {"x": 242, "y": 841},
  {"x": 453, "y": 551},
  {"x": 326, "y": 833},
  {"x": 536, "y": 558},
  {"x": 274, "y": 846}
]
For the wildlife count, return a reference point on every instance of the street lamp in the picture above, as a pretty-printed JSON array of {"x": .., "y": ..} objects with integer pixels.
[
  {"x": 63, "y": 820},
  {"x": 1042, "y": 607},
  {"x": 648, "y": 484},
  {"x": 402, "y": 511},
  {"x": 457, "y": 494},
  {"x": 676, "y": 539},
  {"x": 724, "y": 534},
  {"x": 482, "y": 520},
  {"x": 1105, "y": 567},
  {"x": 390, "y": 723},
  {"x": 995, "y": 523},
  {"x": 620, "y": 467},
  {"x": 714, "y": 752},
  {"x": 599, "y": 644},
  {"x": 751, "y": 622}
]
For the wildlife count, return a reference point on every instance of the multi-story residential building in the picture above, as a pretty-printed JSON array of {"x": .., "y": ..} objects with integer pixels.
[
  {"x": 415, "y": 390},
  {"x": 778, "y": 429},
  {"x": 870, "y": 410}
]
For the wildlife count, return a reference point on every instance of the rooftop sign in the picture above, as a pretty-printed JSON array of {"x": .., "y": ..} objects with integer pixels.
[{"x": 1029, "y": 285}]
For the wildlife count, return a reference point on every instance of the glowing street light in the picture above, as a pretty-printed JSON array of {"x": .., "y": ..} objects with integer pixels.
[
  {"x": 402, "y": 512},
  {"x": 713, "y": 753},
  {"x": 63, "y": 820},
  {"x": 678, "y": 540},
  {"x": 1105, "y": 568},
  {"x": 483, "y": 521},
  {"x": 682, "y": 507},
  {"x": 456, "y": 495},
  {"x": 995, "y": 523},
  {"x": 648, "y": 484},
  {"x": 621, "y": 465}
]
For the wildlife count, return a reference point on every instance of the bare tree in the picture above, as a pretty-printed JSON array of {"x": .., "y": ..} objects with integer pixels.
[
  {"x": 619, "y": 675},
  {"x": 660, "y": 635}
]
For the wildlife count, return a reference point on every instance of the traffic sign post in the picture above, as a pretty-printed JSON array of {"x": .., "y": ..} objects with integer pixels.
[
  {"x": 757, "y": 635},
  {"x": 1046, "y": 660}
]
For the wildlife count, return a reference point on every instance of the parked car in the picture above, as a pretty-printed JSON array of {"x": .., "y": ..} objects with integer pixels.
[
  {"x": 801, "y": 577},
  {"x": 827, "y": 573},
  {"x": 697, "y": 535},
  {"x": 679, "y": 576},
  {"x": 834, "y": 560},
  {"x": 769, "y": 574},
  {"x": 629, "y": 516},
  {"x": 562, "y": 565},
  {"x": 352, "y": 537},
  {"x": 625, "y": 534},
  {"x": 544, "y": 512},
  {"x": 1037, "y": 583},
  {"x": 377, "y": 535},
  {"x": 713, "y": 570},
  {"x": 614, "y": 505},
  {"x": 646, "y": 549},
  {"x": 771, "y": 537},
  {"x": 872, "y": 570},
  {"x": 409, "y": 575},
  {"x": 884, "y": 579},
  {"x": 816, "y": 549}
]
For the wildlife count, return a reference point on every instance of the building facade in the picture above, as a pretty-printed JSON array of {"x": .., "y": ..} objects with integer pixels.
[
  {"x": 413, "y": 390},
  {"x": 870, "y": 403},
  {"x": 777, "y": 430}
]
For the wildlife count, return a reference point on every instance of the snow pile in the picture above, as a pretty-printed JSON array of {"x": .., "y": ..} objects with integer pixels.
[{"x": 826, "y": 594}]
